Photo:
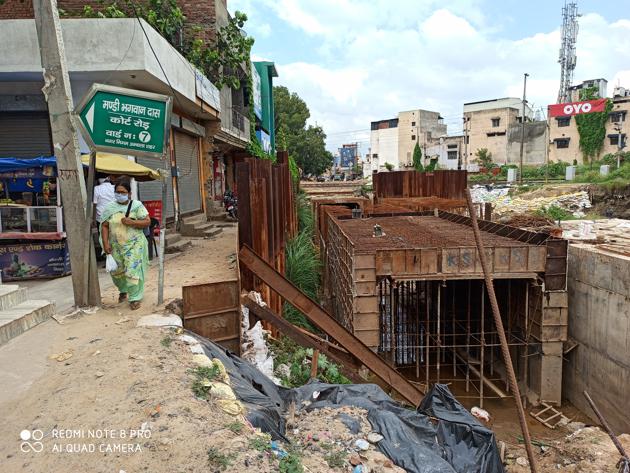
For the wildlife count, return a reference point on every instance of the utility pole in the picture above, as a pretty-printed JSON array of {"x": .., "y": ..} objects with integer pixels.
[
  {"x": 520, "y": 171},
  {"x": 620, "y": 144},
  {"x": 66, "y": 148}
]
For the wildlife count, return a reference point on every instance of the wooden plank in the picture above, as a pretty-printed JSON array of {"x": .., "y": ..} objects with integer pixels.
[
  {"x": 413, "y": 259},
  {"x": 467, "y": 257},
  {"x": 428, "y": 261},
  {"x": 518, "y": 259},
  {"x": 365, "y": 304},
  {"x": 364, "y": 261},
  {"x": 365, "y": 288},
  {"x": 383, "y": 263},
  {"x": 450, "y": 260},
  {"x": 501, "y": 259},
  {"x": 318, "y": 316},
  {"x": 365, "y": 275},
  {"x": 536, "y": 258},
  {"x": 399, "y": 264},
  {"x": 366, "y": 322}
]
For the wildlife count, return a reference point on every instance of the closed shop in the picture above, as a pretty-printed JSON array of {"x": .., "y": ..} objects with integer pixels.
[
  {"x": 152, "y": 190},
  {"x": 25, "y": 135},
  {"x": 187, "y": 160}
]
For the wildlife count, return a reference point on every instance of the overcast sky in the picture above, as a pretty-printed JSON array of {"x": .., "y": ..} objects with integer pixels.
[{"x": 356, "y": 61}]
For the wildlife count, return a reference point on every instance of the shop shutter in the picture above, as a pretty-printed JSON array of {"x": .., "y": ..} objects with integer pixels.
[
  {"x": 187, "y": 158},
  {"x": 152, "y": 190},
  {"x": 25, "y": 135}
]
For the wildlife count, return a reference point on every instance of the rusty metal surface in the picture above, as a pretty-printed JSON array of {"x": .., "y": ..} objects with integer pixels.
[
  {"x": 330, "y": 326},
  {"x": 403, "y": 232},
  {"x": 212, "y": 310},
  {"x": 443, "y": 184}
]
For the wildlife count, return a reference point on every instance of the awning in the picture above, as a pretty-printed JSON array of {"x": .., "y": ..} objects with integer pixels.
[{"x": 117, "y": 164}]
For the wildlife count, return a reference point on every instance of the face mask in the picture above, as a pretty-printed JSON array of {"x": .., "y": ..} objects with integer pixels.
[{"x": 121, "y": 198}]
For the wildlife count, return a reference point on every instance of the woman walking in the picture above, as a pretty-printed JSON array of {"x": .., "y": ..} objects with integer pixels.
[{"x": 122, "y": 236}]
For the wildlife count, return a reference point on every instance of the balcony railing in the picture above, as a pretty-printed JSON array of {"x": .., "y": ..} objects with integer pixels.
[{"x": 31, "y": 219}]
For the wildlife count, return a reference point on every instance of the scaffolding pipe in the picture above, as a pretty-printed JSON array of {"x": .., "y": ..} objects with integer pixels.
[
  {"x": 439, "y": 339},
  {"x": 482, "y": 337},
  {"x": 453, "y": 339},
  {"x": 427, "y": 331},
  {"x": 468, "y": 336},
  {"x": 469, "y": 363},
  {"x": 507, "y": 359}
]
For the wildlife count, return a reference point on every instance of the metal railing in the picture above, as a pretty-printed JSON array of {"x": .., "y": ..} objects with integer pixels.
[{"x": 46, "y": 219}]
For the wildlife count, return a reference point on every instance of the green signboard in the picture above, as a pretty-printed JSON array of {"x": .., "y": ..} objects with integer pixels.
[{"x": 125, "y": 121}]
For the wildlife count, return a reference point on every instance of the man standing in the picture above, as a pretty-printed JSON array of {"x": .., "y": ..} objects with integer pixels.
[{"x": 103, "y": 195}]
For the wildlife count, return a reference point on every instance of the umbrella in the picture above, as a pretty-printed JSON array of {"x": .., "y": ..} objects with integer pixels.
[{"x": 117, "y": 164}]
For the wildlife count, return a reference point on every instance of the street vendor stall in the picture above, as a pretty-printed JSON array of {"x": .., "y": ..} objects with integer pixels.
[{"x": 33, "y": 242}]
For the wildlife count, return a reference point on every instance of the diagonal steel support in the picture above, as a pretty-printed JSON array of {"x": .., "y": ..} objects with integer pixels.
[{"x": 317, "y": 315}]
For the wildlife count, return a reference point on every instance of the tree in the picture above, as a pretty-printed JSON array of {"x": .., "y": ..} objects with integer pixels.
[
  {"x": 389, "y": 166},
  {"x": 484, "y": 159},
  {"x": 417, "y": 158},
  {"x": 307, "y": 145}
]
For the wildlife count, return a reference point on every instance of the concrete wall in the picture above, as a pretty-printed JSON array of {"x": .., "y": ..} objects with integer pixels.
[
  {"x": 384, "y": 143},
  {"x": 535, "y": 149},
  {"x": 417, "y": 126},
  {"x": 481, "y": 133},
  {"x": 599, "y": 320}
]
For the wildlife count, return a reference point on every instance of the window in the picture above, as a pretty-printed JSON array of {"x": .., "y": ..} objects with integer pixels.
[
  {"x": 375, "y": 155},
  {"x": 451, "y": 146},
  {"x": 563, "y": 121},
  {"x": 618, "y": 117},
  {"x": 614, "y": 139},
  {"x": 413, "y": 123},
  {"x": 413, "y": 137},
  {"x": 496, "y": 122},
  {"x": 467, "y": 139},
  {"x": 562, "y": 143},
  {"x": 451, "y": 155}
]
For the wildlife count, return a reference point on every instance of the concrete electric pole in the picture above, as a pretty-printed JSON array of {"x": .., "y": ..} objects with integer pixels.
[
  {"x": 66, "y": 148},
  {"x": 520, "y": 171}
]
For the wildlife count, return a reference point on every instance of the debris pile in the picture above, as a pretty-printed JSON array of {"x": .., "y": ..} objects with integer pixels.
[{"x": 505, "y": 205}]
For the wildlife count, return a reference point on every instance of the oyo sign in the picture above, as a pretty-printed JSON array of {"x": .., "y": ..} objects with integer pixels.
[
  {"x": 125, "y": 121},
  {"x": 577, "y": 108}
]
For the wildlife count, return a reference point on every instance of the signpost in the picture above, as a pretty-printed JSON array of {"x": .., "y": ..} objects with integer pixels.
[{"x": 127, "y": 121}]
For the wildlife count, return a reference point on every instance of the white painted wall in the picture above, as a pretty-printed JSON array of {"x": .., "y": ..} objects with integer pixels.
[{"x": 384, "y": 143}]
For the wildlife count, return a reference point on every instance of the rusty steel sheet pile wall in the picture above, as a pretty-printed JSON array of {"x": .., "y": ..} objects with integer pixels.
[
  {"x": 443, "y": 184},
  {"x": 267, "y": 217}
]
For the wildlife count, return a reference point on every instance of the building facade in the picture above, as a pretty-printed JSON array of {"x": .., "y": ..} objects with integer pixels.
[
  {"x": 496, "y": 126},
  {"x": 448, "y": 150},
  {"x": 563, "y": 132},
  {"x": 392, "y": 141}
]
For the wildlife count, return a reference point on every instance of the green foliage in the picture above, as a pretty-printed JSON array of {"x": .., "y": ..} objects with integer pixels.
[
  {"x": 303, "y": 269},
  {"x": 389, "y": 166},
  {"x": 235, "y": 426},
  {"x": 110, "y": 11},
  {"x": 307, "y": 145},
  {"x": 260, "y": 443},
  {"x": 294, "y": 170},
  {"x": 417, "y": 158},
  {"x": 219, "y": 460},
  {"x": 555, "y": 213},
  {"x": 484, "y": 159},
  {"x": 433, "y": 164},
  {"x": 305, "y": 213},
  {"x": 298, "y": 358},
  {"x": 166, "y": 341},
  {"x": 336, "y": 459},
  {"x": 203, "y": 376},
  {"x": 292, "y": 463},
  {"x": 592, "y": 126}
]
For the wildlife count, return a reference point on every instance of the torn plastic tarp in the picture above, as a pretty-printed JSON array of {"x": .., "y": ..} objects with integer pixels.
[{"x": 459, "y": 443}]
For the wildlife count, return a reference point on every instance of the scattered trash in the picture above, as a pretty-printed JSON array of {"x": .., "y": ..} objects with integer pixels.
[
  {"x": 315, "y": 394},
  {"x": 279, "y": 452},
  {"x": 480, "y": 414},
  {"x": 374, "y": 437},
  {"x": 358, "y": 469},
  {"x": 62, "y": 356},
  {"x": 159, "y": 320},
  {"x": 145, "y": 427},
  {"x": 122, "y": 321},
  {"x": 362, "y": 444},
  {"x": 522, "y": 461}
]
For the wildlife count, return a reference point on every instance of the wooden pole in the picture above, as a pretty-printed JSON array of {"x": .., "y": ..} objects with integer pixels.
[
  {"x": 314, "y": 362},
  {"x": 66, "y": 148}
]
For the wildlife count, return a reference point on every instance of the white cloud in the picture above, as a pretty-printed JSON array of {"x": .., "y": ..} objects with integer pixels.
[{"x": 379, "y": 57}]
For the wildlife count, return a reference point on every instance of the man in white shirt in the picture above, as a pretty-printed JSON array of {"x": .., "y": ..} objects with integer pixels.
[{"x": 103, "y": 195}]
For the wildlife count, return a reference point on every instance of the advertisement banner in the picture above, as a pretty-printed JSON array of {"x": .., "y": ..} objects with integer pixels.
[
  {"x": 347, "y": 157},
  {"x": 154, "y": 207},
  {"x": 23, "y": 261},
  {"x": 577, "y": 108}
]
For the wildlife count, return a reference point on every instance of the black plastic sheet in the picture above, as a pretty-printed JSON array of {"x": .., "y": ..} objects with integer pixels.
[{"x": 411, "y": 439}]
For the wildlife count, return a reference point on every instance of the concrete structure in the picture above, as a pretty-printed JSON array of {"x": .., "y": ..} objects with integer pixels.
[
  {"x": 18, "y": 313},
  {"x": 448, "y": 150},
  {"x": 600, "y": 84},
  {"x": 563, "y": 133},
  {"x": 392, "y": 141},
  {"x": 410, "y": 286},
  {"x": 266, "y": 127},
  {"x": 493, "y": 124},
  {"x": 599, "y": 325}
]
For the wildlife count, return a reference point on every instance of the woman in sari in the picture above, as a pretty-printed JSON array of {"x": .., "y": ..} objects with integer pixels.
[{"x": 122, "y": 236}]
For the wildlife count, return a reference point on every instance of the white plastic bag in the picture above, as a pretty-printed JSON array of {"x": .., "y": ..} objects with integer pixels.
[{"x": 110, "y": 264}]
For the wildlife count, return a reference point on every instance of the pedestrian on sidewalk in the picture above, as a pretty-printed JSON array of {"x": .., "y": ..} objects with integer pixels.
[{"x": 122, "y": 236}]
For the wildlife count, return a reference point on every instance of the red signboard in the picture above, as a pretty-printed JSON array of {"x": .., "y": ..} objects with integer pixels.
[
  {"x": 154, "y": 207},
  {"x": 577, "y": 108}
]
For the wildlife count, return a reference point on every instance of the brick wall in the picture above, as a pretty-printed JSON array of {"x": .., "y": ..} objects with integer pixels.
[{"x": 200, "y": 14}]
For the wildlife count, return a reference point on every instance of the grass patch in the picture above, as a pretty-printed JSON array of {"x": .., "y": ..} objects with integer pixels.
[
  {"x": 235, "y": 427},
  {"x": 555, "y": 213},
  {"x": 292, "y": 463},
  {"x": 217, "y": 459},
  {"x": 166, "y": 342},
  {"x": 203, "y": 377},
  {"x": 336, "y": 459}
]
